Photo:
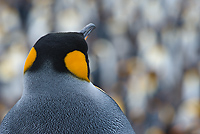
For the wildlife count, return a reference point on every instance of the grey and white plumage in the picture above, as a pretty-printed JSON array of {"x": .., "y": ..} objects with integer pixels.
[
  {"x": 55, "y": 100},
  {"x": 54, "y": 106}
]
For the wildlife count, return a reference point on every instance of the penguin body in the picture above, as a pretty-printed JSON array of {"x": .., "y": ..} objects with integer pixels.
[{"x": 58, "y": 98}]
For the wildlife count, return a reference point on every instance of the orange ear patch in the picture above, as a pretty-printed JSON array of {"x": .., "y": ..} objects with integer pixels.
[
  {"x": 76, "y": 63},
  {"x": 30, "y": 59}
]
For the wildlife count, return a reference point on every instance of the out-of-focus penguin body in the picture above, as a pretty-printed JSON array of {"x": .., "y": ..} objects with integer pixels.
[{"x": 57, "y": 99}]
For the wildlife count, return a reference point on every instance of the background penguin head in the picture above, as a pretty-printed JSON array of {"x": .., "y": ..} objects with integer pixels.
[{"x": 66, "y": 51}]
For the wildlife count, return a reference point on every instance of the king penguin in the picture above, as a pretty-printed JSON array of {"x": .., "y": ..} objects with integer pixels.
[{"x": 58, "y": 96}]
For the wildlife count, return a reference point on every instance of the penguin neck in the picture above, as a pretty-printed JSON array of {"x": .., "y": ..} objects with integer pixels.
[{"x": 46, "y": 80}]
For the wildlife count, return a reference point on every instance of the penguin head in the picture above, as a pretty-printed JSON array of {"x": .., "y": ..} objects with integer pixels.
[{"x": 67, "y": 52}]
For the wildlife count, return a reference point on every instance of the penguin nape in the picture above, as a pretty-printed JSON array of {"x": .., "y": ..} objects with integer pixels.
[{"x": 58, "y": 96}]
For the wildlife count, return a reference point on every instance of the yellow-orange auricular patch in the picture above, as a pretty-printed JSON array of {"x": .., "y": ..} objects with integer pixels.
[
  {"x": 76, "y": 63},
  {"x": 30, "y": 59}
]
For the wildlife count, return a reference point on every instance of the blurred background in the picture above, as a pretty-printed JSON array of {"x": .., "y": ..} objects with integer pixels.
[{"x": 143, "y": 53}]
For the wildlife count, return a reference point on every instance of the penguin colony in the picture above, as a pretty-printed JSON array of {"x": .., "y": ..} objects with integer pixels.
[{"x": 58, "y": 96}]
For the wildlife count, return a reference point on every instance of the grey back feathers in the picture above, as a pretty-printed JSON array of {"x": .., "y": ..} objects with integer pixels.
[{"x": 54, "y": 102}]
